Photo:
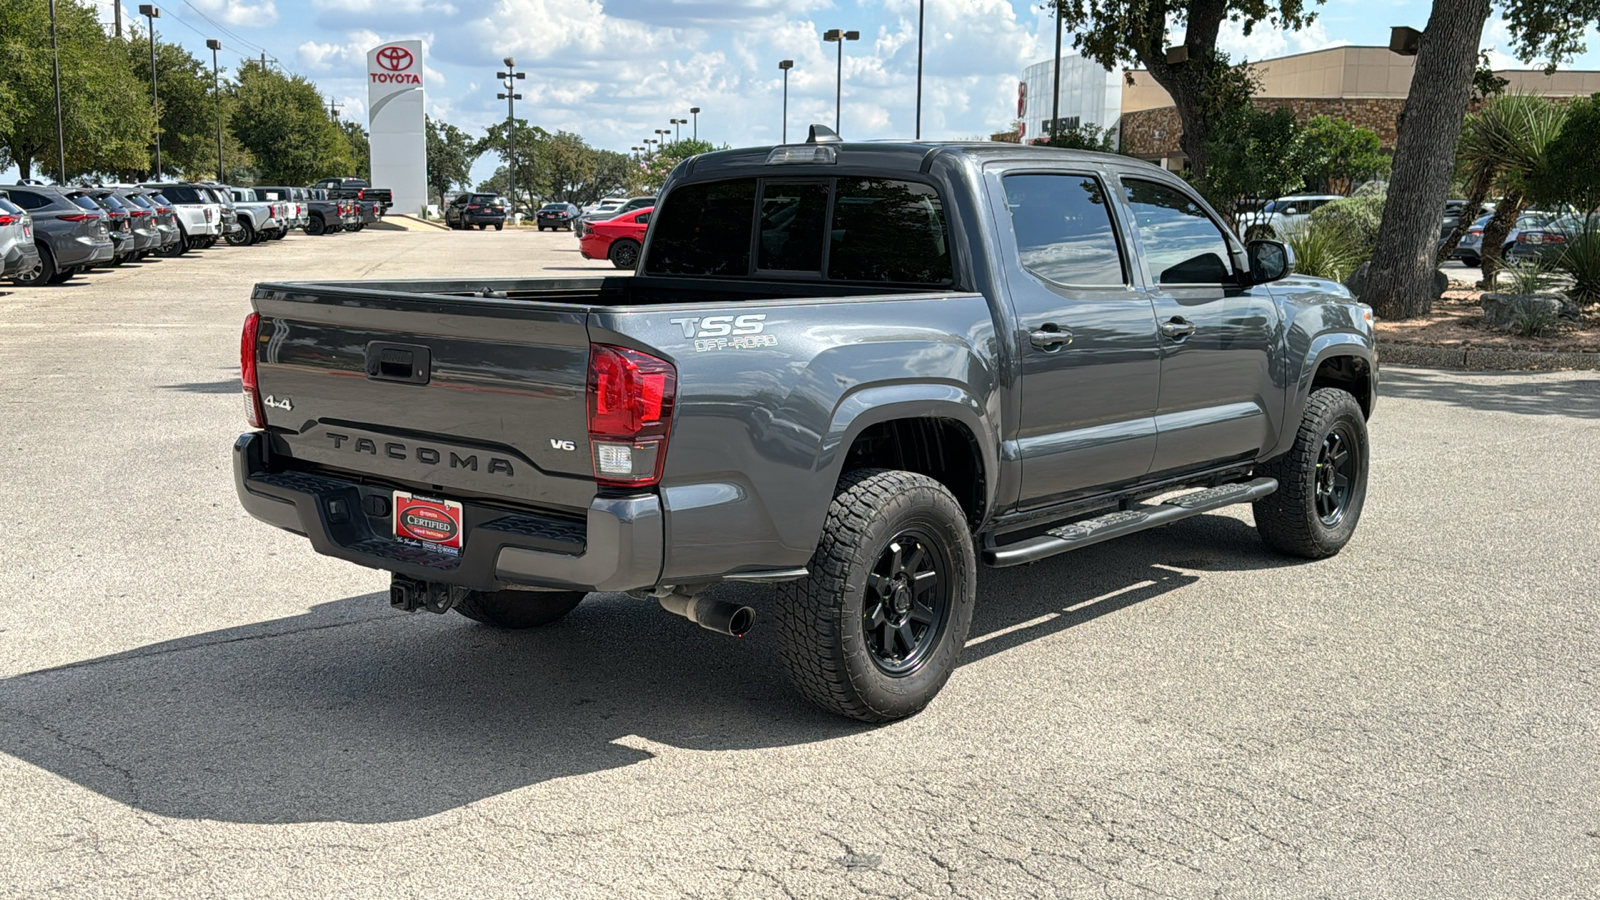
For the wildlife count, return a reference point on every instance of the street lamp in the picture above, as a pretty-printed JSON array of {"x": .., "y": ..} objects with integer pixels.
[
  {"x": 921, "y": 8},
  {"x": 677, "y": 133},
  {"x": 216, "y": 94},
  {"x": 663, "y": 132},
  {"x": 151, "y": 14},
  {"x": 786, "y": 65},
  {"x": 695, "y": 111},
  {"x": 61, "y": 141},
  {"x": 839, "y": 37},
  {"x": 509, "y": 79}
]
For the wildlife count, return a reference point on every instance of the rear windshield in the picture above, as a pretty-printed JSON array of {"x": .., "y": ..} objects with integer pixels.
[
  {"x": 86, "y": 203},
  {"x": 840, "y": 229},
  {"x": 139, "y": 200},
  {"x": 182, "y": 194},
  {"x": 554, "y": 206},
  {"x": 9, "y": 208},
  {"x": 271, "y": 194}
]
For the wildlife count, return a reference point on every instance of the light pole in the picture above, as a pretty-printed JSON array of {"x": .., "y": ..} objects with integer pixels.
[
  {"x": 677, "y": 133},
  {"x": 662, "y": 135},
  {"x": 786, "y": 65},
  {"x": 921, "y": 9},
  {"x": 695, "y": 111},
  {"x": 61, "y": 141},
  {"x": 151, "y": 14},
  {"x": 839, "y": 37},
  {"x": 509, "y": 79},
  {"x": 1055, "y": 96},
  {"x": 216, "y": 95}
]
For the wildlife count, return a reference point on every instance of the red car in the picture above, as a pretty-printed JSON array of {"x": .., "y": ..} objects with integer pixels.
[{"x": 617, "y": 239}]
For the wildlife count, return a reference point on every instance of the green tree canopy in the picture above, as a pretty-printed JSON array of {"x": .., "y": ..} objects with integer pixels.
[
  {"x": 1334, "y": 154},
  {"x": 1568, "y": 173},
  {"x": 360, "y": 148},
  {"x": 106, "y": 111},
  {"x": 280, "y": 119},
  {"x": 451, "y": 153},
  {"x": 188, "y": 105},
  {"x": 1252, "y": 156}
]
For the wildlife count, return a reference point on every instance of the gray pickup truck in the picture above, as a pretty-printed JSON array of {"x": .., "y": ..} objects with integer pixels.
[{"x": 854, "y": 371}]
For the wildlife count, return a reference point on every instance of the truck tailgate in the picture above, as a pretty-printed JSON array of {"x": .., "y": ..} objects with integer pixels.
[{"x": 470, "y": 398}]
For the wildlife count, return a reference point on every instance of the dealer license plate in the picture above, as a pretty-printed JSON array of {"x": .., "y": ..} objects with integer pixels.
[{"x": 435, "y": 524}]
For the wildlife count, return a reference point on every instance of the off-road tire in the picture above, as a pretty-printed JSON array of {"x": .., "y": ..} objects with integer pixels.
[
  {"x": 516, "y": 610},
  {"x": 244, "y": 237},
  {"x": 315, "y": 226},
  {"x": 1288, "y": 519},
  {"x": 823, "y": 641},
  {"x": 624, "y": 253}
]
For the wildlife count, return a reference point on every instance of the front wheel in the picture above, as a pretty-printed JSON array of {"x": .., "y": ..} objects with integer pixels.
[
  {"x": 1322, "y": 480},
  {"x": 874, "y": 631},
  {"x": 624, "y": 254},
  {"x": 519, "y": 609}
]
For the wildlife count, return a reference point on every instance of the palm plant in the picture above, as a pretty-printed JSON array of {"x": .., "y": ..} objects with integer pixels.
[
  {"x": 1324, "y": 249},
  {"x": 1504, "y": 147}
]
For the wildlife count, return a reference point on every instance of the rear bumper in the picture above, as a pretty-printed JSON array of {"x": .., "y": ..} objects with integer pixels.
[
  {"x": 617, "y": 548},
  {"x": 20, "y": 258}
]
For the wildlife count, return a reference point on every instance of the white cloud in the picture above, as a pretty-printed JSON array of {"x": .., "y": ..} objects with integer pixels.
[
  {"x": 240, "y": 12},
  {"x": 1265, "y": 42},
  {"x": 321, "y": 57}
]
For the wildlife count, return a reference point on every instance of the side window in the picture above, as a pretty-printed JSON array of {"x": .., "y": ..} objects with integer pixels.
[
  {"x": 891, "y": 231},
  {"x": 27, "y": 200},
  {"x": 792, "y": 220},
  {"x": 1063, "y": 228},
  {"x": 704, "y": 229},
  {"x": 1181, "y": 243}
]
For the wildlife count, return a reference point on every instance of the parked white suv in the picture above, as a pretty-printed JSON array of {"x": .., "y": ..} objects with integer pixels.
[
  {"x": 1283, "y": 215},
  {"x": 199, "y": 214}
]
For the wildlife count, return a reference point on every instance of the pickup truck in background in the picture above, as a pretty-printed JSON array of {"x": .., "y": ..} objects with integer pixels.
[
  {"x": 853, "y": 371},
  {"x": 330, "y": 216},
  {"x": 259, "y": 219},
  {"x": 356, "y": 189}
]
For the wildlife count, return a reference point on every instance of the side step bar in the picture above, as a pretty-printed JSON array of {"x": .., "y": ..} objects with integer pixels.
[{"x": 1127, "y": 521}]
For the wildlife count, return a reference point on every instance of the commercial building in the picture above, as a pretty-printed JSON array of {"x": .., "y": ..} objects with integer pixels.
[
  {"x": 1089, "y": 95},
  {"x": 1365, "y": 85}
]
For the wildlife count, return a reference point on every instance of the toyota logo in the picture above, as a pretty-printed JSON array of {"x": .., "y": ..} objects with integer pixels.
[{"x": 394, "y": 58}]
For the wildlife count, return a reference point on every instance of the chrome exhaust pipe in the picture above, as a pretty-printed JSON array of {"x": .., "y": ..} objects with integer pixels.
[{"x": 713, "y": 615}]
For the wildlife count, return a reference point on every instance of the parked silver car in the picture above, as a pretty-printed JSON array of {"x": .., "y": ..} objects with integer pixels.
[{"x": 17, "y": 252}]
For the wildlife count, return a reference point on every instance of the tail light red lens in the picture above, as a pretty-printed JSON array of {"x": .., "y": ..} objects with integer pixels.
[
  {"x": 631, "y": 395},
  {"x": 254, "y": 413},
  {"x": 78, "y": 217},
  {"x": 8, "y": 220}
]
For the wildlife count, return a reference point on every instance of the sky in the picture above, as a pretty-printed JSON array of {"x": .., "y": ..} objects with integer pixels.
[{"x": 616, "y": 70}]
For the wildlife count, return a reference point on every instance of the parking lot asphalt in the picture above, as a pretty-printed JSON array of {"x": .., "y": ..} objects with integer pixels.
[{"x": 193, "y": 704}]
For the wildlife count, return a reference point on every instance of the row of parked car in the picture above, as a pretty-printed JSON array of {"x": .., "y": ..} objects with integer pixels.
[{"x": 50, "y": 233}]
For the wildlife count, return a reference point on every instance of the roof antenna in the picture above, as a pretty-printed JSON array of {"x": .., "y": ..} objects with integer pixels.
[{"x": 822, "y": 134}]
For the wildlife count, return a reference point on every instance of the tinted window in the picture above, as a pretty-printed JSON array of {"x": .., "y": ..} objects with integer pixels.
[
  {"x": 6, "y": 206},
  {"x": 181, "y": 194},
  {"x": 1181, "y": 243},
  {"x": 160, "y": 200},
  {"x": 139, "y": 201},
  {"x": 1063, "y": 228},
  {"x": 792, "y": 219},
  {"x": 86, "y": 203},
  {"x": 28, "y": 200},
  {"x": 704, "y": 229},
  {"x": 890, "y": 231}
]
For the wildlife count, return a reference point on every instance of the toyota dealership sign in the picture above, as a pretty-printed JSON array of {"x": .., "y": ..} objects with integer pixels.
[{"x": 396, "y": 120}]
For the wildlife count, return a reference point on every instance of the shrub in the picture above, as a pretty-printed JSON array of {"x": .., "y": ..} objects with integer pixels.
[
  {"x": 1533, "y": 323},
  {"x": 1530, "y": 277},
  {"x": 1323, "y": 250},
  {"x": 1355, "y": 220},
  {"x": 1581, "y": 259}
]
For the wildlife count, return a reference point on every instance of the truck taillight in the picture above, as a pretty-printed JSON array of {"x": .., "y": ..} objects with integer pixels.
[
  {"x": 630, "y": 414},
  {"x": 254, "y": 413}
]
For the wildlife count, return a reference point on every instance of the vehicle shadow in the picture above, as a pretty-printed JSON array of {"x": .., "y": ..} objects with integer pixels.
[
  {"x": 353, "y": 712},
  {"x": 205, "y": 387},
  {"x": 1527, "y": 393}
]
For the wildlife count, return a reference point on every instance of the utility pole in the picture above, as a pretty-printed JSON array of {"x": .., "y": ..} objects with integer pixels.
[
  {"x": 921, "y": 10},
  {"x": 61, "y": 140},
  {"x": 695, "y": 111},
  {"x": 333, "y": 110},
  {"x": 216, "y": 93},
  {"x": 151, "y": 14},
  {"x": 509, "y": 78},
  {"x": 839, "y": 37},
  {"x": 116, "y": 6},
  {"x": 1055, "y": 95},
  {"x": 786, "y": 65}
]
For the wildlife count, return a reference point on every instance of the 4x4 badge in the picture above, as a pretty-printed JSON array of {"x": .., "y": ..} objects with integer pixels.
[{"x": 285, "y": 404}]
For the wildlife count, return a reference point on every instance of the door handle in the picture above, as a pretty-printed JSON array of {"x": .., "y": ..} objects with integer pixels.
[
  {"x": 1050, "y": 337},
  {"x": 1177, "y": 328}
]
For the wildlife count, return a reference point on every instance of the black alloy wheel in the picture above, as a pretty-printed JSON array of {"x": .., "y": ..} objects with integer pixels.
[
  {"x": 1337, "y": 465},
  {"x": 907, "y": 603},
  {"x": 244, "y": 236},
  {"x": 624, "y": 254}
]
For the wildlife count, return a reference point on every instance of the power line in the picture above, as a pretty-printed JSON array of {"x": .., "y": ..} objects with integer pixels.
[{"x": 220, "y": 27}]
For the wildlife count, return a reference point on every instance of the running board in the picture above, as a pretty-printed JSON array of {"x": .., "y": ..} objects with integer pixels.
[{"x": 1127, "y": 521}]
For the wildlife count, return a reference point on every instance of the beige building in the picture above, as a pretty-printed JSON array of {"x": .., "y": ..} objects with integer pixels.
[{"x": 1366, "y": 85}]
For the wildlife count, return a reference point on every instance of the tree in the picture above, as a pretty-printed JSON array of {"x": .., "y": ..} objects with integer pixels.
[
  {"x": 563, "y": 167},
  {"x": 660, "y": 164},
  {"x": 1127, "y": 32},
  {"x": 188, "y": 125},
  {"x": 280, "y": 119},
  {"x": 521, "y": 141},
  {"x": 1252, "y": 156},
  {"x": 451, "y": 153},
  {"x": 360, "y": 148},
  {"x": 1087, "y": 136},
  {"x": 106, "y": 111},
  {"x": 1334, "y": 154},
  {"x": 1403, "y": 277},
  {"x": 1568, "y": 174},
  {"x": 612, "y": 173}
]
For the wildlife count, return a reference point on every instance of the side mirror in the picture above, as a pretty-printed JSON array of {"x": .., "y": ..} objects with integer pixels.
[
  {"x": 1269, "y": 260},
  {"x": 1291, "y": 211}
]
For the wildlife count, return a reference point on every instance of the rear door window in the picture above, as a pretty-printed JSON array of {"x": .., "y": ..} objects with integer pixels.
[
  {"x": 1063, "y": 229},
  {"x": 890, "y": 231}
]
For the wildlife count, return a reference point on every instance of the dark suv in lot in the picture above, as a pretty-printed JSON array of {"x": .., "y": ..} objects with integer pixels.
[
  {"x": 69, "y": 230},
  {"x": 481, "y": 210}
]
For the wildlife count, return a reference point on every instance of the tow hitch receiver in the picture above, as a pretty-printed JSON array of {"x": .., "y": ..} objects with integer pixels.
[{"x": 409, "y": 595}]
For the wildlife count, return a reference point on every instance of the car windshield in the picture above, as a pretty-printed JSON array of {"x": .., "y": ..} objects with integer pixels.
[
  {"x": 8, "y": 207},
  {"x": 561, "y": 206},
  {"x": 183, "y": 194},
  {"x": 160, "y": 200}
]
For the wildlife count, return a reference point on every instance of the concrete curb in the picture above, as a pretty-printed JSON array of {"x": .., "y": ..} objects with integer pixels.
[
  {"x": 404, "y": 222},
  {"x": 1476, "y": 358}
]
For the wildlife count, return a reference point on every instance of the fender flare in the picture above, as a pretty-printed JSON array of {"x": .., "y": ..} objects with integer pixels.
[
  {"x": 1323, "y": 347},
  {"x": 875, "y": 404}
]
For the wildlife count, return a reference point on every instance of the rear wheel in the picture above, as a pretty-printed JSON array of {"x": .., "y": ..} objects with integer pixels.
[
  {"x": 62, "y": 276},
  {"x": 41, "y": 273},
  {"x": 1322, "y": 480},
  {"x": 498, "y": 227},
  {"x": 519, "y": 609},
  {"x": 874, "y": 631},
  {"x": 624, "y": 254},
  {"x": 316, "y": 226},
  {"x": 245, "y": 235}
]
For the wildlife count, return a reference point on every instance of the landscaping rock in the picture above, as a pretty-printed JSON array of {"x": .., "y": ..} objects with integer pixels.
[{"x": 1502, "y": 310}]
